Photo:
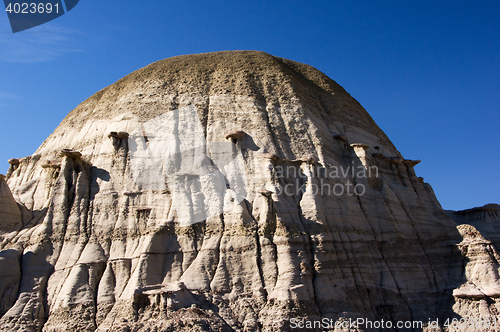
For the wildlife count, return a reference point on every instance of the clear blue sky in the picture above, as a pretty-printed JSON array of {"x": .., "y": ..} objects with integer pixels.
[{"x": 428, "y": 72}]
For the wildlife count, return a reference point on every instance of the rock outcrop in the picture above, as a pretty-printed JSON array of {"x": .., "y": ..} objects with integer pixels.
[{"x": 230, "y": 191}]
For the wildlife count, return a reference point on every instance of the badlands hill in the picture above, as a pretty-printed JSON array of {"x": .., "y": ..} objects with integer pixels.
[{"x": 232, "y": 191}]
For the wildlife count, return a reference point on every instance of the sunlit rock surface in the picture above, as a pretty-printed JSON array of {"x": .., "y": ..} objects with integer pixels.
[{"x": 231, "y": 191}]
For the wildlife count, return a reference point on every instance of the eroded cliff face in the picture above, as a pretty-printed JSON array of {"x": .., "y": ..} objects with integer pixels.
[
  {"x": 478, "y": 297},
  {"x": 202, "y": 192}
]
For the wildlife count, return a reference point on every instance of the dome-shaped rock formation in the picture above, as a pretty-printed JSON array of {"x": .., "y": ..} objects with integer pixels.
[{"x": 227, "y": 191}]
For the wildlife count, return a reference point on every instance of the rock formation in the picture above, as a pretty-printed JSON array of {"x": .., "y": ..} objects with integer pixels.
[{"x": 232, "y": 191}]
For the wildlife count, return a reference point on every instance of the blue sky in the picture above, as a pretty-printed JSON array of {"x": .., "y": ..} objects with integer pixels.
[{"x": 428, "y": 72}]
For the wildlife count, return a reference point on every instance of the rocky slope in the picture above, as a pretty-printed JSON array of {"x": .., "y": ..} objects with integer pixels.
[{"x": 203, "y": 193}]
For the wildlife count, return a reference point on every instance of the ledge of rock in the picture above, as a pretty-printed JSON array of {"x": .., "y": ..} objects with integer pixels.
[
  {"x": 119, "y": 135},
  {"x": 51, "y": 164},
  {"x": 234, "y": 134},
  {"x": 360, "y": 146},
  {"x": 70, "y": 154}
]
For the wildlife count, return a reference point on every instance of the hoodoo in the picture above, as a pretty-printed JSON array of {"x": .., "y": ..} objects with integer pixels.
[{"x": 197, "y": 194}]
